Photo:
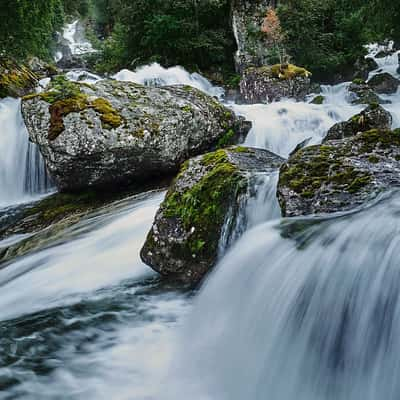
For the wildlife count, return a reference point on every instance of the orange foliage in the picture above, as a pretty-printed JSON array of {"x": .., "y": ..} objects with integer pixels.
[{"x": 271, "y": 26}]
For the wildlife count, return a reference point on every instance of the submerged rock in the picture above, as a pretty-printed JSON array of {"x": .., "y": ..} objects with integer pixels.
[
  {"x": 384, "y": 83},
  {"x": 115, "y": 133},
  {"x": 269, "y": 84},
  {"x": 341, "y": 174},
  {"x": 184, "y": 239},
  {"x": 373, "y": 117},
  {"x": 15, "y": 80}
]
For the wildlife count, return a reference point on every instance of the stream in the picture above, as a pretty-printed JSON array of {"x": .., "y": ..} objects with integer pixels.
[{"x": 306, "y": 308}]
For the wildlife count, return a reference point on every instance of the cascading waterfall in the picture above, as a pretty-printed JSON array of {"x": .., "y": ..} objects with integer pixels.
[
  {"x": 22, "y": 169},
  {"x": 156, "y": 75},
  {"x": 304, "y": 308}
]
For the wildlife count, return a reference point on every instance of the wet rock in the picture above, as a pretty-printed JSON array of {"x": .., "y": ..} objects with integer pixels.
[
  {"x": 184, "y": 239},
  {"x": 373, "y": 117},
  {"x": 117, "y": 133},
  {"x": 340, "y": 174},
  {"x": 384, "y": 83},
  {"x": 360, "y": 71},
  {"x": 16, "y": 80},
  {"x": 41, "y": 68},
  {"x": 384, "y": 53},
  {"x": 362, "y": 93},
  {"x": 269, "y": 84}
]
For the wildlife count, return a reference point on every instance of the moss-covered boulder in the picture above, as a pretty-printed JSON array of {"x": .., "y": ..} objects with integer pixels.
[
  {"x": 15, "y": 80},
  {"x": 268, "y": 84},
  {"x": 373, "y": 117},
  {"x": 117, "y": 133},
  {"x": 340, "y": 174},
  {"x": 184, "y": 239},
  {"x": 384, "y": 83}
]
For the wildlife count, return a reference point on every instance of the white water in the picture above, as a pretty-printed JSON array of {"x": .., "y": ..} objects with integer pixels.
[
  {"x": 156, "y": 75},
  {"x": 22, "y": 170},
  {"x": 76, "y": 41},
  {"x": 313, "y": 316}
]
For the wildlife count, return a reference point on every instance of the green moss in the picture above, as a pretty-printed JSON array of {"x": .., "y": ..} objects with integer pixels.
[
  {"x": 324, "y": 168},
  {"x": 60, "y": 205},
  {"x": 240, "y": 149},
  {"x": 288, "y": 71},
  {"x": 318, "y": 100},
  {"x": 226, "y": 139},
  {"x": 187, "y": 108},
  {"x": 373, "y": 159},
  {"x": 108, "y": 115},
  {"x": 15, "y": 78},
  {"x": 358, "y": 81},
  {"x": 203, "y": 207}
]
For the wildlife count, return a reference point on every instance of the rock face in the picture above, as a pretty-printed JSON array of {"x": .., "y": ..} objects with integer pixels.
[
  {"x": 269, "y": 84},
  {"x": 384, "y": 83},
  {"x": 373, "y": 117},
  {"x": 116, "y": 133},
  {"x": 15, "y": 80},
  {"x": 183, "y": 242},
  {"x": 359, "y": 71},
  {"x": 247, "y": 18},
  {"x": 341, "y": 174},
  {"x": 362, "y": 93}
]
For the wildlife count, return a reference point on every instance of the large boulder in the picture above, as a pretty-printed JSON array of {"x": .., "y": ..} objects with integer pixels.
[
  {"x": 268, "y": 84},
  {"x": 341, "y": 174},
  {"x": 184, "y": 240},
  {"x": 362, "y": 93},
  {"x": 384, "y": 83},
  {"x": 16, "y": 80},
  {"x": 247, "y": 19},
  {"x": 116, "y": 133},
  {"x": 373, "y": 117}
]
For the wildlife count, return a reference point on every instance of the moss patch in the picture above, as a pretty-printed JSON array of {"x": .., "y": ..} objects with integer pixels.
[
  {"x": 203, "y": 207},
  {"x": 289, "y": 71},
  {"x": 108, "y": 115},
  {"x": 67, "y": 97}
]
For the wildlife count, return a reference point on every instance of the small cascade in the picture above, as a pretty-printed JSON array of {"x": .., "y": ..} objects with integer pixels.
[
  {"x": 74, "y": 35},
  {"x": 156, "y": 75},
  {"x": 22, "y": 169},
  {"x": 258, "y": 205}
]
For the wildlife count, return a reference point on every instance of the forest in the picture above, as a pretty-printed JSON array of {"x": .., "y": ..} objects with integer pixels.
[{"x": 325, "y": 36}]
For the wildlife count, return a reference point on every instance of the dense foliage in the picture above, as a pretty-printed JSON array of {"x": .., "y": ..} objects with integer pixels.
[
  {"x": 329, "y": 36},
  {"x": 324, "y": 36},
  {"x": 193, "y": 33},
  {"x": 27, "y": 27}
]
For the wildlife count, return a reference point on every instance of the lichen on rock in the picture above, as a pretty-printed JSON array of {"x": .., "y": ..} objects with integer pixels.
[
  {"x": 340, "y": 174},
  {"x": 16, "y": 80},
  {"x": 117, "y": 133},
  {"x": 373, "y": 117}
]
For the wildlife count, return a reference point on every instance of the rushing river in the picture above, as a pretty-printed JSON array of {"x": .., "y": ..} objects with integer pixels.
[{"x": 302, "y": 309}]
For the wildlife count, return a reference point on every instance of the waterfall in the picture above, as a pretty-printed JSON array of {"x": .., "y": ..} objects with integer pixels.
[
  {"x": 22, "y": 169},
  {"x": 303, "y": 308},
  {"x": 156, "y": 75}
]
